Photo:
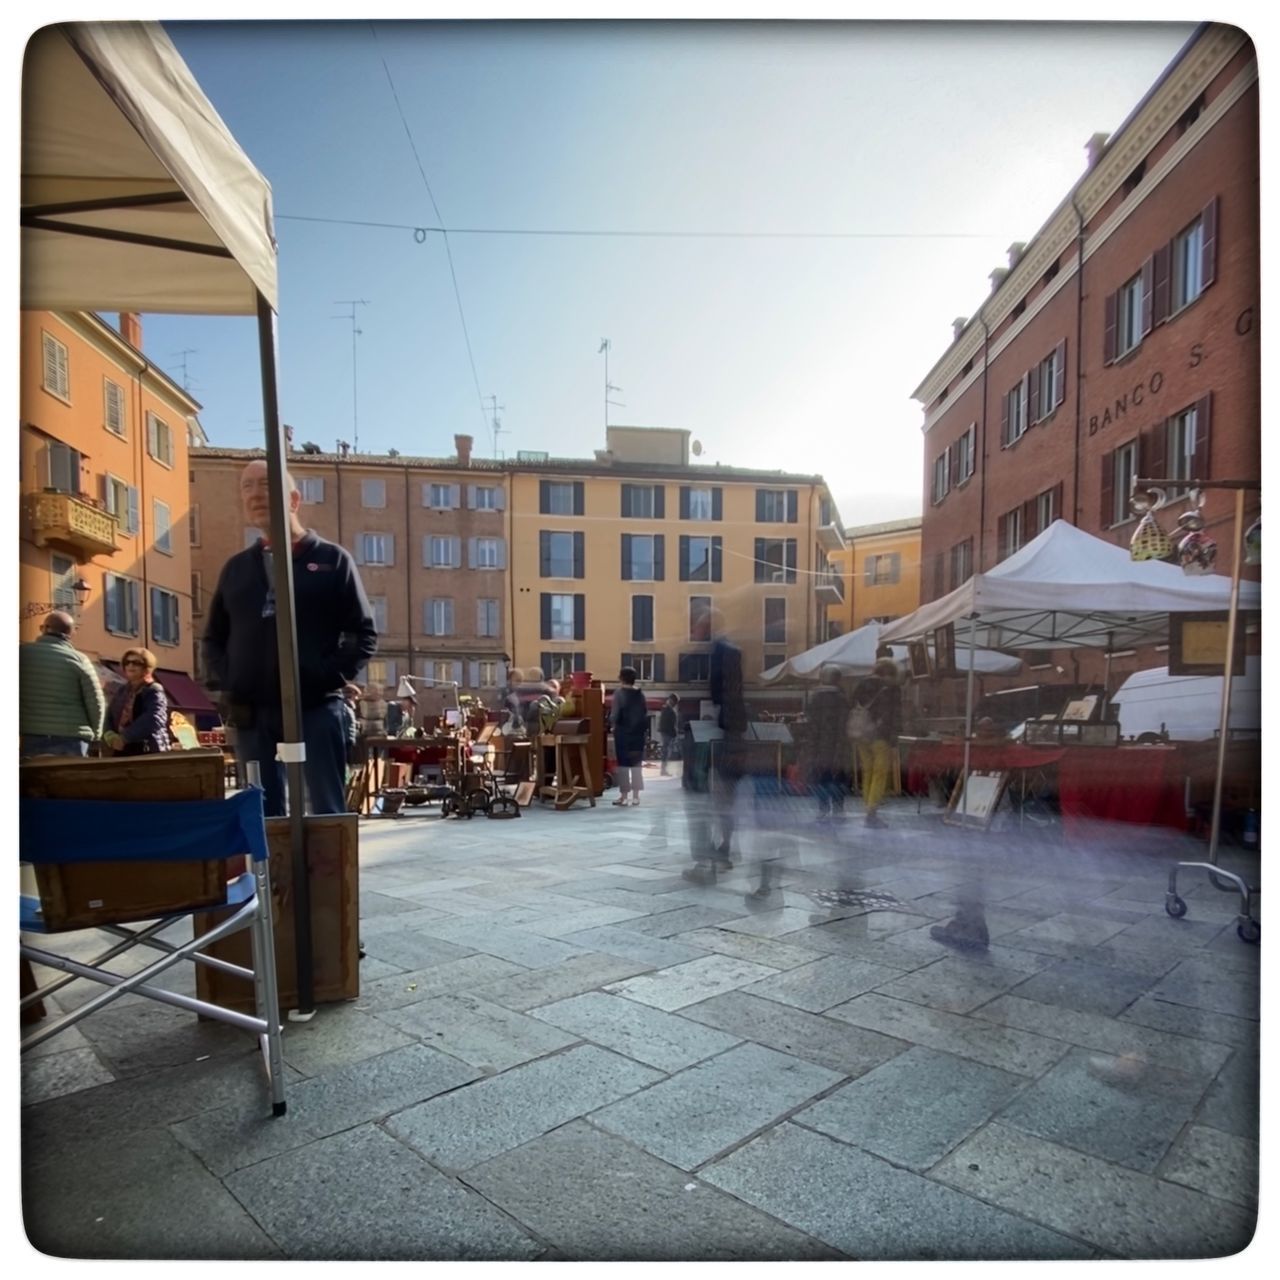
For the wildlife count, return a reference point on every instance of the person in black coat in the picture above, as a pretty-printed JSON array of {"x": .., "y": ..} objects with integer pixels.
[
  {"x": 629, "y": 719},
  {"x": 667, "y": 726},
  {"x": 138, "y": 716}
]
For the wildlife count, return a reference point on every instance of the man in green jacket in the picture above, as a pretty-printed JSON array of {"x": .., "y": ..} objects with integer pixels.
[{"x": 60, "y": 701}]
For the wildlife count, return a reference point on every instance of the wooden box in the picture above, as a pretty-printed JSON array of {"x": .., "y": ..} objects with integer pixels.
[
  {"x": 332, "y": 843},
  {"x": 81, "y": 895}
]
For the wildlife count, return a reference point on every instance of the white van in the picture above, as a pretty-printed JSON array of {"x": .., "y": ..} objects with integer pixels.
[{"x": 1188, "y": 708}]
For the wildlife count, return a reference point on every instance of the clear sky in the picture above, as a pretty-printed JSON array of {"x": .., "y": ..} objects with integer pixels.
[{"x": 937, "y": 145}]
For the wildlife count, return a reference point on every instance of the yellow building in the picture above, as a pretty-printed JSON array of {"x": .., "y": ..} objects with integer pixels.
[
  {"x": 104, "y": 493},
  {"x": 880, "y": 567},
  {"x": 621, "y": 560}
]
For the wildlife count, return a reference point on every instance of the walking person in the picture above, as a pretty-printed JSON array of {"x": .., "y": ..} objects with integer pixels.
[
  {"x": 138, "y": 717},
  {"x": 336, "y": 637},
  {"x": 828, "y": 744},
  {"x": 667, "y": 726},
  {"x": 875, "y": 722},
  {"x": 629, "y": 719},
  {"x": 60, "y": 701}
]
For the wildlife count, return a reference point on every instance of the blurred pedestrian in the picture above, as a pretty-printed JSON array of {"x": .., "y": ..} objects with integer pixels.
[
  {"x": 60, "y": 701},
  {"x": 827, "y": 743},
  {"x": 667, "y": 727},
  {"x": 875, "y": 721},
  {"x": 629, "y": 719}
]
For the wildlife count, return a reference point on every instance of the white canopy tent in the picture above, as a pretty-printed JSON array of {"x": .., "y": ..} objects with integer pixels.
[
  {"x": 855, "y": 653},
  {"x": 135, "y": 197}
]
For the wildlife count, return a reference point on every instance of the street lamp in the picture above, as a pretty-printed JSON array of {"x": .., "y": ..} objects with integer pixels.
[{"x": 80, "y": 588}]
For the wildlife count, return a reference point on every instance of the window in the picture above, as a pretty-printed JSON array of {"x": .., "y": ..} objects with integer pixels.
[
  {"x": 487, "y": 553},
  {"x": 378, "y": 673},
  {"x": 442, "y": 671},
  {"x": 62, "y": 569},
  {"x": 698, "y": 504},
  {"x": 377, "y": 549},
  {"x": 642, "y": 619},
  {"x": 966, "y": 454},
  {"x": 441, "y": 497},
  {"x": 484, "y": 497},
  {"x": 120, "y": 604},
  {"x": 439, "y": 617},
  {"x": 1119, "y": 469},
  {"x": 1129, "y": 316},
  {"x": 701, "y": 559},
  {"x": 378, "y": 607},
  {"x": 311, "y": 489},
  {"x": 164, "y": 616},
  {"x": 1188, "y": 257},
  {"x": 160, "y": 521},
  {"x": 643, "y": 501},
  {"x": 57, "y": 379},
  {"x": 883, "y": 570},
  {"x": 1015, "y": 411},
  {"x": 561, "y": 498},
  {"x": 197, "y": 594},
  {"x": 695, "y": 668},
  {"x": 775, "y": 620},
  {"x": 941, "y": 476},
  {"x": 487, "y": 674},
  {"x": 774, "y": 658},
  {"x": 777, "y": 506},
  {"x": 645, "y": 665},
  {"x": 159, "y": 440},
  {"x": 1009, "y": 532},
  {"x": 121, "y": 500},
  {"x": 700, "y": 618},
  {"x": 560, "y": 666},
  {"x": 488, "y": 619},
  {"x": 62, "y": 467},
  {"x": 1048, "y": 507},
  {"x": 561, "y": 555},
  {"x": 373, "y": 493},
  {"x": 193, "y": 525},
  {"x": 1180, "y": 448},
  {"x": 443, "y": 551},
  {"x": 113, "y": 407},
  {"x": 1046, "y": 376},
  {"x": 642, "y": 557},
  {"x": 775, "y": 559},
  {"x": 561, "y": 614},
  {"x": 961, "y": 563}
]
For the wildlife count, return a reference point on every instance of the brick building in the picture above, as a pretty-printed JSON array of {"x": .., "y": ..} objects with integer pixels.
[{"x": 1122, "y": 340}]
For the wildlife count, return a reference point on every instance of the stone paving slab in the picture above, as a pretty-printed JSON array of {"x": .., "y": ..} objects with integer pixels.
[
  {"x": 137, "y": 1195},
  {"x": 57, "y": 1074},
  {"x": 1083, "y": 930},
  {"x": 516, "y": 945},
  {"x": 1184, "y": 1020},
  {"x": 527, "y": 990},
  {"x": 469, "y": 973},
  {"x": 1232, "y": 1101},
  {"x": 470, "y": 1125},
  {"x": 337, "y": 1035},
  {"x": 1018, "y": 1051},
  {"x": 1130, "y": 1214},
  {"x": 828, "y": 981},
  {"x": 680, "y": 920},
  {"x": 1204, "y": 986},
  {"x": 953, "y": 985},
  {"x": 914, "y": 1108},
  {"x": 687, "y": 983},
  {"x": 774, "y": 923},
  {"x": 411, "y": 949},
  {"x": 401, "y": 924},
  {"x": 1219, "y": 1164},
  {"x": 848, "y": 1050},
  {"x": 774, "y": 952},
  {"x": 585, "y": 917},
  {"x": 653, "y": 953},
  {"x": 870, "y": 1210},
  {"x": 1088, "y": 988},
  {"x": 305, "y": 1200},
  {"x": 698, "y": 1113},
  {"x": 595, "y": 1197},
  {"x": 662, "y": 1040}
]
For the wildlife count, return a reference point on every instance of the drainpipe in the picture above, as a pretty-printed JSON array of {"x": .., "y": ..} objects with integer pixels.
[
  {"x": 980, "y": 562},
  {"x": 408, "y": 571},
  {"x": 144, "y": 604},
  {"x": 1075, "y": 469}
]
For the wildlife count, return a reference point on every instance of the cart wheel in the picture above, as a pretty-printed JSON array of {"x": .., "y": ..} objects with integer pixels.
[
  {"x": 1249, "y": 932},
  {"x": 477, "y": 802},
  {"x": 1175, "y": 906}
]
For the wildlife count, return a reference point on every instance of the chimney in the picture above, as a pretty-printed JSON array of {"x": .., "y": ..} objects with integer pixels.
[
  {"x": 958, "y": 327},
  {"x": 1015, "y": 251},
  {"x": 463, "y": 446},
  {"x": 1094, "y": 148},
  {"x": 997, "y": 277},
  {"x": 131, "y": 328}
]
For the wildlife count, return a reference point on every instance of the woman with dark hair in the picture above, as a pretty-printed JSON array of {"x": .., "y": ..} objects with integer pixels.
[
  {"x": 629, "y": 719},
  {"x": 138, "y": 717}
]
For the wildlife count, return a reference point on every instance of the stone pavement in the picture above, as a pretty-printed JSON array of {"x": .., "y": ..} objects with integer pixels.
[{"x": 564, "y": 1050}]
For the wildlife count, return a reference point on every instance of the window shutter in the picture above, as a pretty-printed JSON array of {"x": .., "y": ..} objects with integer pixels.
[
  {"x": 1148, "y": 294},
  {"x": 1155, "y": 448},
  {"x": 546, "y": 617},
  {"x": 624, "y": 660},
  {"x": 1029, "y": 527},
  {"x": 1033, "y": 396},
  {"x": 659, "y": 556},
  {"x": 1209, "y": 243},
  {"x": 457, "y": 671},
  {"x": 684, "y": 502},
  {"x": 759, "y": 557},
  {"x": 869, "y": 571},
  {"x": 626, "y": 557},
  {"x": 133, "y": 509},
  {"x": 473, "y": 674},
  {"x": 546, "y": 664},
  {"x": 683, "y": 666},
  {"x": 580, "y": 617},
  {"x": 471, "y": 496},
  {"x": 684, "y": 558},
  {"x": 1059, "y": 374},
  {"x": 791, "y": 560},
  {"x": 359, "y": 550},
  {"x": 473, "y": 552},
  {"x": 579, "y": 555},
  {"x": 717, "y": 559},
  {"x": 455, "y": 552},
  {"x": 1109, "y": 328},
  {"x": 625, "y": 500},
  {"x": 153, "y": 447},
  {"x": 544, "y": 497},
  {"x": 391, "y": 548},
  {"x": 579, "y": 498},
  {"x": 1002, "y": 537},
  {"x": 659, "y": 501},
  {"x": 1055, "y": 506},
  {"x": 1004, "y": 418},
  {"x": 717, "y": 504},
  {"x": 659, "y": 667},
  {"x": 455, "y": 496},
  {"x": 502, "y": 553},
  {"x": 1163, "y": 282},
  {"x": 500, "y": 674},
  {"x": 939, "y": 570},
  {"x": 499, "y": 498},
  {"x": 953, "y": 463},
  {"x": 1200, "y": 459},
  {"x": 793, "y": 506},
  {"x": 482, "y": 612},
  {"x": 544, "y": 553},
  {"x": 1108, "y": 489},
  {"x": 579, "y": 661},
  {"x": 760, "y": 506}
]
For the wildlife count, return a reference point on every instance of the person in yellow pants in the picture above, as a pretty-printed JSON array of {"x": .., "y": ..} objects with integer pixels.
[{"x": 881, "y": 697}]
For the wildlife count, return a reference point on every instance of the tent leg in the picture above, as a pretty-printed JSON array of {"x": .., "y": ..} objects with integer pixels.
[
  {"x": 1233, "y": 615},
  {"x": 292, "y": 749},
  {"x": 968, "y": 719}
]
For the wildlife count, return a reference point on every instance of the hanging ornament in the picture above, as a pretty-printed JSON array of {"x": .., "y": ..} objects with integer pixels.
[
  {"x": 1197, "y": 552},
  {"x": 1143, "y": 500},
  {"x": 1253, "y": 543},
  {"x": 1149, "y": 541},
  {"x": 1189, "y": 521}
]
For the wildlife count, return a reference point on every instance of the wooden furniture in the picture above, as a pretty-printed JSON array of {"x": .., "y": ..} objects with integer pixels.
[{"x": 572, "y": 778}]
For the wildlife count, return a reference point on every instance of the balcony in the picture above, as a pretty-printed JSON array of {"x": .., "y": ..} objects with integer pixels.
[
  {"x": 829, "y": 587},
  {"x": 831, "y": 537},
  {"x": 71, "y": 523}
]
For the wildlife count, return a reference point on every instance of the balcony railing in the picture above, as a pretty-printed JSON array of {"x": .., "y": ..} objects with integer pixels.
[
  {"x": 829, "y": 587},
  {"x": 69, "y": 521}
]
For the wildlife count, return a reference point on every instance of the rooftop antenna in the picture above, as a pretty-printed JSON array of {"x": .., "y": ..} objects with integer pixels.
[
  {"x": 498, "y": 428},
  {"x": 605, "y": 346},
  {"x": 353, "y": 303},
  {"x": 182, "y": 355}
]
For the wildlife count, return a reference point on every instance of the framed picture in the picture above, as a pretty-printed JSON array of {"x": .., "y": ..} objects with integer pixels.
[
  {"x": 1198, "y": 644},
  {"x": 975, "y": 798},
  {"x": 524, "y": 794},
  {"x": 918, "y": 659},
  {"x": 1081, "y": 708},
  {"x": 944, "y": 650}
]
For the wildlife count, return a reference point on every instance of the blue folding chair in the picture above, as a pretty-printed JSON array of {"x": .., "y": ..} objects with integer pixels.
[{"x": 96, "y": 831}]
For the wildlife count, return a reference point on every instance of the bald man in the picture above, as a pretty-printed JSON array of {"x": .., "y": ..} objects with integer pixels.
[
  {"x": 336, "y": 638},
  {"x": 60, "y": 700}
]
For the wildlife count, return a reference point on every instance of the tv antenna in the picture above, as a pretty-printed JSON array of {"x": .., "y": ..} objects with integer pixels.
[
  {"x": 495, "y": 422},
  {"x": 182, "y": 355},
  {"x": 356, "y": 331},
  {"x": 605, "y": 346}
]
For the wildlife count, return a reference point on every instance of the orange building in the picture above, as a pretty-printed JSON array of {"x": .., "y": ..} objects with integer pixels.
[
  {"x": 881, "y": 571},
  {"x": 104, "y": 493}
]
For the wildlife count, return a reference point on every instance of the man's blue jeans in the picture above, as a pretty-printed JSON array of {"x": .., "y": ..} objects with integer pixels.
[
  {"x": 326, "y": 765},
  {"x": 49, "y": 744}
]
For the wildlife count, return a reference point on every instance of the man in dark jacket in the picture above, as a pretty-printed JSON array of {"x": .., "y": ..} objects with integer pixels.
[
  {"x": 336, "y": 637},
  {"x": 828, "y": 750},
  {"x": 667, "y": 726}
]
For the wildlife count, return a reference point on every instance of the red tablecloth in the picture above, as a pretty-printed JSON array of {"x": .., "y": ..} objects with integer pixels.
[{"x": 928, "y": 759}]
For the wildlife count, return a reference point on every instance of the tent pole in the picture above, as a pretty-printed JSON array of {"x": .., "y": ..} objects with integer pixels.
[
  {"x": 291, "y": 749},
  {"x": 968, "y": 717},
  {"x": 1233, "y": 612}
]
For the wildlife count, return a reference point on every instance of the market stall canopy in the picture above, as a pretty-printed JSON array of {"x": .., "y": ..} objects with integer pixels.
[
  {"x": 855, "y": 654},
  {"x": 124, "y": 160},
  {"x": 1067, "y": 588}
]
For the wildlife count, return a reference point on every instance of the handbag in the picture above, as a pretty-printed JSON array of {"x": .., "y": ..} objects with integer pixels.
[{"x": 860, "y": 725}]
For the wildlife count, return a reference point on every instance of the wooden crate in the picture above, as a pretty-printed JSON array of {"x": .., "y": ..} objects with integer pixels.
[
  {"x": 81, "y": 895},
  {"x": 332, "y": 843}
]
